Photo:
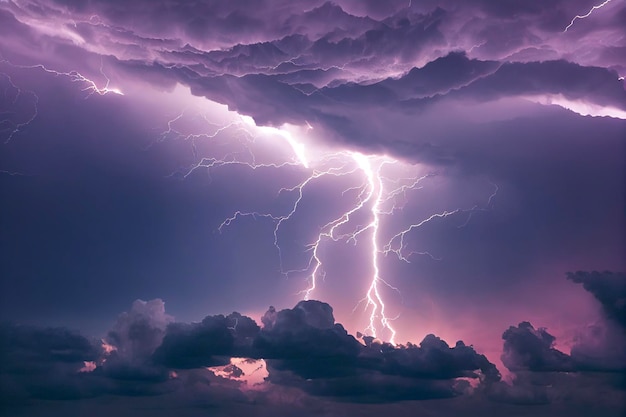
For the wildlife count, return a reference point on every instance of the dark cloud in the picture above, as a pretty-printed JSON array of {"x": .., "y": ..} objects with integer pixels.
[
  {"x": 306, "y": 352},
  {"x": 527, "y": 348},
  {"x": 43, "y": 363},
  {"x": 434, "y": 358},
  {"x": 413, "y": 102},
  {"x": 609, "y": 288},
  {"x": 335, "y": 76},
  {"x": 440, "y": 76},
  {"x": 307, "y": 330},
  {"x": 308, "y": 349},
  {"x": 374, "y": 387},
  {"x": 306, "y": 341},
  {"x": 600, "y": 346},
  {"x": 543, "y": 374},
  {"x": 598, "y": 85},
  {"x": 32, "y": 349},
  {"x": 209, "y": 343},
  {"x": 303, "y": 347}
]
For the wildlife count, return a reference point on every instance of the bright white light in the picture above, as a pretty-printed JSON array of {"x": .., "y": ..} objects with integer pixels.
[
  {"x": 586, "y": 15},
  {"x": 251, "y": 372},
  {"x": 376, "y": 188},
  {"x": 582, "y": 107}
]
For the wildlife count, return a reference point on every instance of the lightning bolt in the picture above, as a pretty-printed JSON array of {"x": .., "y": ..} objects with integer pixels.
[
  {"x": 376, "y": 195},
  {"x": 596, "y": 7},
  {"x": 90, "y": 87},
  {"x": 12, "y": 127},
  {"x": 373, "y": 296}
]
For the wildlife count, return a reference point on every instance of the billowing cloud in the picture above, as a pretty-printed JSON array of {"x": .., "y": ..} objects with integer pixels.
[
  {"x": 544, "y": 374},
  {"x": 37, "y": 348},
  {"x": 307, "y": 354},
  {"x": 43, "y": 363},
  {"x": 303, "y": 347},
  {"x": 527, "y": 348},
  {"x": 306, "y": 347},
  {"x": 209, "y": 343},
  {"x": 609, "y": 288},
  {"x": 134, "y": 337},
  {"x": 597, "y": 347},
  {"x": 600, "y": 346},
  {"x": 138, "y": 332},
  {"x": 292, "y": 65}
]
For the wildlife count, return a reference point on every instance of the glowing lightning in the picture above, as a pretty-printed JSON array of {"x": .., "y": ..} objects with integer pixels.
[
  {"x": 374, "y": 299},
  {"x": 13, "y": 127},
  {"x": 91, "y": 87},
  {"x": 372, "y": 195},
  {"x": 378, "y": 194},
  {"x": 77, "y": 77},
  {"x": 586, "y": 15}
]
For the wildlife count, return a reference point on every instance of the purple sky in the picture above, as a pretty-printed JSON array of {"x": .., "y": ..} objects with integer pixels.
[{"x": 426, "y": 168}]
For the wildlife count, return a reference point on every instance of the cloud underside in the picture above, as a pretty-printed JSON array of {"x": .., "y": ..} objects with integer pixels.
[{"x": 335, "y": 66}]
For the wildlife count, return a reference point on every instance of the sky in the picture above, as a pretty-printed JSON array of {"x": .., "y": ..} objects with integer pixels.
[{"x": 317, "y": 208}]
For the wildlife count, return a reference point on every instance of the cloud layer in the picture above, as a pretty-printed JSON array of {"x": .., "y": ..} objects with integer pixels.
[{"x": 148, "y": 354}]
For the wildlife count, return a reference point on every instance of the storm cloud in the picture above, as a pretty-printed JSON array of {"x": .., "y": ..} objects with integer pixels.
[
  {"x": 304, "y": 348},
  {"x": 430, "y": 169}
]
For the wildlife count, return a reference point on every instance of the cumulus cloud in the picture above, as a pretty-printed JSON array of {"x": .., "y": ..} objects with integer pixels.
[
  {"x": 133, "y": 339},
  {"x": 149, "y": 354},
  {"x": 307, "y": 330},
  {"x": 527, "y": 348},
  {"x": 138, "y": 332},
  {"x": 43, "y": 363},
  {"x": 308, "y": 356},
  {"x": 41, "y": 347},
  {"x": 609, "y": 288},
  {"x": 543, "y": 374},
  {"x": 597, "y": 347},
  {"x": 306, "y": 348},
  {"x": 600, "y": 346},
  {"x": 209, "y": 343}
]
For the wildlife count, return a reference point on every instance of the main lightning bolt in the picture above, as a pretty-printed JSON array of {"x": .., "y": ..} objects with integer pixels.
[
  {"x": 374, "y": 189},
  {"x": 596, "y": 7},
  {"x": 375, "y": 196}
]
